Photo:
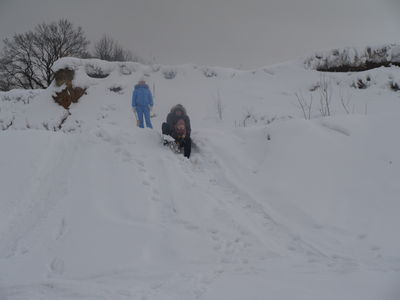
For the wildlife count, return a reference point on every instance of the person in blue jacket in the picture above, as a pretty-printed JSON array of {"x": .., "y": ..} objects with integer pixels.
[{"x": 142, "y": 103}]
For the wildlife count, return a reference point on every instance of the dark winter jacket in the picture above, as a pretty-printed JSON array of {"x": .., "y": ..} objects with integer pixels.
[
  {"x": 173, "y": 118},
  {"x": 142, "y": 96}
]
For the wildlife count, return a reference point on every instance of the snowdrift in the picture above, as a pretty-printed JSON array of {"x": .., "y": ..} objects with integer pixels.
[{"x": 94, "y": 208}]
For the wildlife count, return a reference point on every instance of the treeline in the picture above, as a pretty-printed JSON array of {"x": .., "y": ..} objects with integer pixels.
[{"x": 26, "y": 59}]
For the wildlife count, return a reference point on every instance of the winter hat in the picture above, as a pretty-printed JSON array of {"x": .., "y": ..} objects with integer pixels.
[{"x": 178, "y": 107}]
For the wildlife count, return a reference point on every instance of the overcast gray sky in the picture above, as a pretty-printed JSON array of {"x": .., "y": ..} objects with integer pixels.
[{"x": 231, "y": 33}]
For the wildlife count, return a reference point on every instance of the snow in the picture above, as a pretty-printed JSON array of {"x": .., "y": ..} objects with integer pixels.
[{"x": 93, "y": 207}]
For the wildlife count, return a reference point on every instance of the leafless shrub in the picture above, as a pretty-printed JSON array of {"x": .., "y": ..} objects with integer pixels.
[
  {"x": 248, "y": 116},
  {"x": 324, "y": 88},
  {"x": 116, "y": 89},
  {"x": 109, "y": 49},
  {"x": 325, "y": 95},
  {"x": 305, "y": 105},
  {"x": 104, "y": 48},
  {"x": 346, "y": 102},
  {"x": 95, "y": 71}
]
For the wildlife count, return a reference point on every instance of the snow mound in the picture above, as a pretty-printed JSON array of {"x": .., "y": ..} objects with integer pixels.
[{"x": 30, "y": 109}]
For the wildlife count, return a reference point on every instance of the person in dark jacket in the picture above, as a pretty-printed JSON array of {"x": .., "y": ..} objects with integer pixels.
[
  {"x": 142, "y": 103},
  {"x": 178, "y": 126}
]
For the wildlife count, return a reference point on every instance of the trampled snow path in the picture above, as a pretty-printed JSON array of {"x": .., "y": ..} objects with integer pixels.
[{"x": 116, "y": 215}]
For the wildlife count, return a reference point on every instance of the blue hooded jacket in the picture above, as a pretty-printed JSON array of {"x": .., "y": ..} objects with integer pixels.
[{"x": 142, "y": 96}]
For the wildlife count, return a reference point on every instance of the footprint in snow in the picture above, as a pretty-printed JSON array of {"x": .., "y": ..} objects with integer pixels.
[
  {"x": 140, "y": 162},
  {"x": 191, "y": 227},
  {"x": 61, "y": 229},
  {"x": 127, "y": 156},
  {"x": 24, "y": 251},
  {"x": 57, "y": 266},
  {"x": 375, "y": 248},
  {"x": 362, "y": 236},
  {"x": 213, "y": 230}
]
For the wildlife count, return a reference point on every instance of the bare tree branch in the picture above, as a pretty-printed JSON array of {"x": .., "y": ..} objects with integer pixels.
[
  {"x": 325, "y": 92},
  {"x": 27, "y": 59},
  {"x": 109, "y": 49},
  {"x": 304, "y": 105},
  {"x": 345, "y": 101}
]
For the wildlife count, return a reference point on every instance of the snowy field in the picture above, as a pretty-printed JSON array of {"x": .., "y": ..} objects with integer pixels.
[{"x": 93, "y": 207}]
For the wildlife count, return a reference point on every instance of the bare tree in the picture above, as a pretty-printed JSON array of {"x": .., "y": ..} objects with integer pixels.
[
  {"x": 27, "y": 59},
  {"x": 121, "y": 54},
  {"x": 104, "y": 48},
  {"x": 17, "y": 67},
  {"x": 4, "y": 84},
  {"x": 109, "y": 49}
]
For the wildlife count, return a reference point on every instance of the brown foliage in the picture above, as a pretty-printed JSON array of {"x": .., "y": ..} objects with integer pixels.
[{"x": 69, "y": 94}]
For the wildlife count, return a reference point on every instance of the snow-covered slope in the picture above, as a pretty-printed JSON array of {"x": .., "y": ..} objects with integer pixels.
[{"x": 93, "y": 207}]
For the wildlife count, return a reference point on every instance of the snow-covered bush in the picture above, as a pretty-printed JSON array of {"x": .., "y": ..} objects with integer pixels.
[
  {"x": 95, "y": 71},
  {"x": 361, "y": 83},
  {"x": 20, "y": 96},
  {"x": 6, "y": 120},
  {"x": 125, "y": 70},
  {"x": 22, "y": 109},
  {"x": 169, "y": 73},
  {"x": 394, "y": 86},
  {"x": 208, "y": 72},
  {"x": 155, "y": 68},
  {"x": 355, "y": 59},
  {"x": 116, "y": 89}
]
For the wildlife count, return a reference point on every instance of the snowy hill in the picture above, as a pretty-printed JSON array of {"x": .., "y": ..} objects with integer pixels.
[{"x": 93, "y": 207}]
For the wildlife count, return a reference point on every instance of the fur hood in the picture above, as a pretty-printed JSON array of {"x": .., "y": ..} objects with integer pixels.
[{"x": 178, "y": 107}]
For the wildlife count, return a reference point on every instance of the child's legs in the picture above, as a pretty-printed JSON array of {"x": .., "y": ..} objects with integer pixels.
[
  {"x": 139, "y": 111},
  {"x": 146, "y": 112},
  {"x": 166, "y": 129},
  {"x": 187, "y": 147}
]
